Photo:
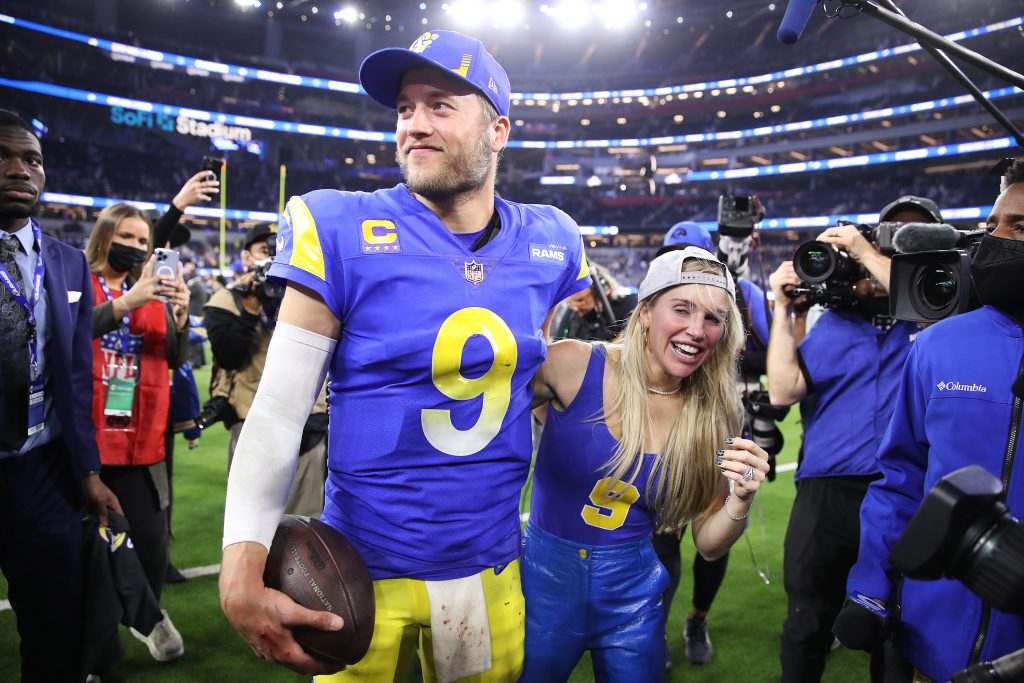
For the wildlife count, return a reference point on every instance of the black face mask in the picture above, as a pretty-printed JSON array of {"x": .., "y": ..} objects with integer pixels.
[
  {"x": 998, "y": 273},
  {"x": 123, "y": 258}
]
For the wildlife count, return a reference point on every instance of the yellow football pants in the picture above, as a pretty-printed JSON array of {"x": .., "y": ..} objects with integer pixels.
[{"x": 402, "y": 623}]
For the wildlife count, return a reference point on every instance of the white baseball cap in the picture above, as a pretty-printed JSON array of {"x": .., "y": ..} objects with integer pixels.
[{"x": 667, "y": 271}]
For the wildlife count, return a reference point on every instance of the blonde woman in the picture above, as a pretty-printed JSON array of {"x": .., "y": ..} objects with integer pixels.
[{"x": 641, "y": 435}]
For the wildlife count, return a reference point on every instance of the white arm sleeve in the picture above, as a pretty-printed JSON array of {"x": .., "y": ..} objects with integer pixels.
[{"x": 267, "y": 452}]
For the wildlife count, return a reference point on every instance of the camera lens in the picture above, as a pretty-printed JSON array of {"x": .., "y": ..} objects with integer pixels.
[
  {"x": 989, "y": 556},
  {"x": 814, "y": 262},
  {"x": 938, "y": 286}
]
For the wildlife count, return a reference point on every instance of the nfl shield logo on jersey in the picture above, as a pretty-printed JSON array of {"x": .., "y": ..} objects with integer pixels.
[{"x": 474, "y": 272}]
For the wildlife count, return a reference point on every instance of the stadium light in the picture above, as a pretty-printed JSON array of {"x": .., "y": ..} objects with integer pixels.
[
  {"x": 348, "y": 14},
  {"x": 571, "y": 14},
  {"x": 617, "y": 14},
  {"x": 507, "y": 13},
  {"x": 467, "y": 12},
  {"x": 246, "y": 4}
]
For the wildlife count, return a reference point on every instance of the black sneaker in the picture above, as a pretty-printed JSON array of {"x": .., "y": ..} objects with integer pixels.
[
  {"x": 698, "y": 644},
  {"x": 173, "y": 575}
]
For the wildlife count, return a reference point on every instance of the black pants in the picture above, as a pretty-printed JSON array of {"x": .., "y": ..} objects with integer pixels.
[
  {"x": 41, "y": 557},
  {"x": 820, "y": 548},
  {"x": 134, "y": 488},
  {"x": 707, "y": 575}
]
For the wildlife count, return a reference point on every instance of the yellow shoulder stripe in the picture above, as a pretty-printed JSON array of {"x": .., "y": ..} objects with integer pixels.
[
  {"x": 584, "y": 268},
  {"x": 306, "y": 251}
]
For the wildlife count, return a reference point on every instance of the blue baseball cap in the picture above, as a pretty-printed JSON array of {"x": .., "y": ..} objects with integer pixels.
[
  {"x": 687, "y": 234},
  {"x": 461, "y": 56}
]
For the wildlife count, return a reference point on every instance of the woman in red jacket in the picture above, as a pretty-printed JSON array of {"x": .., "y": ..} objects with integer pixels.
[{"x": 140, "y": 333}]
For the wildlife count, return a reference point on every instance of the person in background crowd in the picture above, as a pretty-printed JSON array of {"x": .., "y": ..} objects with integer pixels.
[
  {"x": 592, "y": 315},
  {"x": 240, "y": 321},
  {"x": 140, "y": 333},
  {"x": 170, "y": 233},
  {"x": 198, "y": 290}
]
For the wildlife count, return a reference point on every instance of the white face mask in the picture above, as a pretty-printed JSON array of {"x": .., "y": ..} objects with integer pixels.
[{"x": 733, "y": 252}]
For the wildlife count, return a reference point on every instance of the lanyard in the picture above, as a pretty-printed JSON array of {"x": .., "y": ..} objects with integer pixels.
[
  {"x": 37, "y": 292},
  {"x": 124, "y": 332}
]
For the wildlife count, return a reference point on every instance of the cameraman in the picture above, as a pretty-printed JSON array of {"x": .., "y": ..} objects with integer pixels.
[
  {"x": 583, "y": 315},
  {"x": 240, "y": 321},
  {"x": 959, "y": 403},
  {"x": 847, "y": 369}
]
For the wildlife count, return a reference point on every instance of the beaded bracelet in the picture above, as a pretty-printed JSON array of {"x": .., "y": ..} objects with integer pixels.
[{"x": 725, "y": 509}]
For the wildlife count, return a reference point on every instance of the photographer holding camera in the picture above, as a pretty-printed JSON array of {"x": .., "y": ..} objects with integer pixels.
[
  {"x": 847, "y": 369},
  {"x": 597, "y": 313},
  {"x": 959, "y": 403},
  {"x": 240, "y": 321}
]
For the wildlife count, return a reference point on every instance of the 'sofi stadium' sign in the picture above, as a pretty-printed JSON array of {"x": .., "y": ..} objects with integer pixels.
[{"x": 182, "y": 124}]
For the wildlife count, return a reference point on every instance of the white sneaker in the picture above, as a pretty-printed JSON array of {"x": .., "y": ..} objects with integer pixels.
[{"x": 164, "y": 642}]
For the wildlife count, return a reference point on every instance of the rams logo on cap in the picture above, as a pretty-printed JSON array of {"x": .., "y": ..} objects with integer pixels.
[{"x": 424, "y": 41}]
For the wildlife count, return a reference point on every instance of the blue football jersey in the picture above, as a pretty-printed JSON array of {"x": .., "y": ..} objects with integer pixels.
[
  {"x": 429, "y": 441},
  {"x": 573, "y": 495}
]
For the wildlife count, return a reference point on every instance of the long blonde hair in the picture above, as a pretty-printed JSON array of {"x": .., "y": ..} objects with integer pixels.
[
  {"x": 103, "y": 234},
  {"x": 685, "y": 479}
]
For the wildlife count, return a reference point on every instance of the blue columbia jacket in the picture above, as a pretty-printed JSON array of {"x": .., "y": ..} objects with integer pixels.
[{"x": 954, "y": 408}]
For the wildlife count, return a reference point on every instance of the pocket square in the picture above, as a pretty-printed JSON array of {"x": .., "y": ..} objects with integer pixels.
[{"x": 73, "y": 297}]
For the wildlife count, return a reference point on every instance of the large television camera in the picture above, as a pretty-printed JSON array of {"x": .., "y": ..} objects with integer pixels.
[
  {"x": 964, "y": 531},
  {"x": 832, "y": 277},
  {"x": 931, "y": 273}
]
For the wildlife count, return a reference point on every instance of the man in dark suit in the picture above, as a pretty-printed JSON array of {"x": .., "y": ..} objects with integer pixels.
[{"x": 49, "y": 463}]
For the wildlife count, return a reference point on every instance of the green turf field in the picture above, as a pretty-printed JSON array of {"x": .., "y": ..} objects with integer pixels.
[{"x": 745, "y": 624}]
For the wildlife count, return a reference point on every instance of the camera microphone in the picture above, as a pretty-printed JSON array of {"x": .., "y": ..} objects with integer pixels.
[
  {"x": 794, "y": 21},
  {"x": 862, "y": 623},
  {"x": 916, "y": 237}
]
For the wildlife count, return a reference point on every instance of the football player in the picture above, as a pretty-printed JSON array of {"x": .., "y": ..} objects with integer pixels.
[{"x": 425, "y": 302}]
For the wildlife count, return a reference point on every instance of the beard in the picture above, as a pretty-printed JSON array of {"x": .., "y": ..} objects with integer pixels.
[
  {"x": 458, "y": 174},
  {"x": 17, "y": 210}
]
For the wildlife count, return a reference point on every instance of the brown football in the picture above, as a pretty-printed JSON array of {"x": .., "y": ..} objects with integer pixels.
[{"x": 317, "y": 567}]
